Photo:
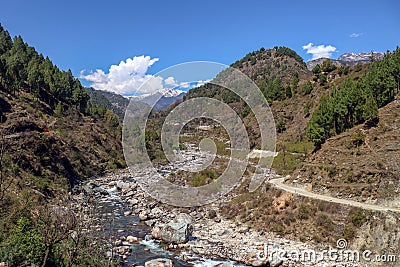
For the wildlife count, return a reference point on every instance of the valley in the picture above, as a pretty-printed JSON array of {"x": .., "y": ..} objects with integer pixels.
[{"x": 70, "y": 195}]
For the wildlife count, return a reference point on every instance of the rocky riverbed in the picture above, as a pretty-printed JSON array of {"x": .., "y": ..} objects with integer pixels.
[
  {"x": 144, "y": 229},
  {"x": 140, "y": 230}
]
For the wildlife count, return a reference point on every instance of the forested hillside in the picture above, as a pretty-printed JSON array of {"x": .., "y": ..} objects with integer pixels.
[
  {"x": 106, "y": 100},
  {"x": 51, "y": 137},
  {"x": 355, "y": 128},
  {"x": 356, "y": 102}
]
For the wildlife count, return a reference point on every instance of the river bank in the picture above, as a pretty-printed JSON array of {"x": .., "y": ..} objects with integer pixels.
[{"x": 138, "y": 219}]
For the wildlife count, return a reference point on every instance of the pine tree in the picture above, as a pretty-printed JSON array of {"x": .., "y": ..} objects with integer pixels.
[
  {"x": 59, "y": 109},
  {"x": 370, "y": 109}
]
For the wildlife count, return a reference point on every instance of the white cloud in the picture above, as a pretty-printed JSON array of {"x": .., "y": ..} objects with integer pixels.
[
  {"x": 200, "y": 83},
  {"x": 170, "y": 81},
  {"x": 355, "y": 35},
  {"x": 127, "y": 77},
  {"x": 130, "y": 78},
  {"x": 319, "y": 51}
]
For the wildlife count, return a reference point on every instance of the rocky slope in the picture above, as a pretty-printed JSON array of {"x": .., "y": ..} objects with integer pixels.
[
  {"x": 359, "y": 163},
  {"x": 45, "y": 149}
]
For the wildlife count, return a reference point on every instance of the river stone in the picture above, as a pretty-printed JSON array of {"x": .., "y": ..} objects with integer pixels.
[
  {"x": 88, "y": 189},
  {"x": 156, "y": 212},
  {"x": 124, "y": 250},
  {"x": 150, "y": 223},
  {"x": 156, "y": 232},
  {"x": 143, "y": 215},
  {"x": 122, "y": 185},
  {"x": 212, "y": 214},
  {"x": 100, "y": 190},
  {"x": 260, "y": 263},
  {"x": 131, "y": 239},
  {"x": 178, "y": 230},
  {"x": 129, "y": 193},
  {"x": 224, "y": 264},
  {"x": 159, "y": 263},
  {"x": 276, "y": 263}
]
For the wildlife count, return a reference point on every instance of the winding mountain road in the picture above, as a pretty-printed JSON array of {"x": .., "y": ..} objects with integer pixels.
[{"x": 278, "y": 182}]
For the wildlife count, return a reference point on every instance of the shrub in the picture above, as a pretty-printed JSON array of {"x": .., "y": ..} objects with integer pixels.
[
  {"x": 303, "y": 212},
  {"x": 307, "y": 88},
  {"x": 281, "y": 126},
  {"x": 23, "y": 245},
  {"x": 358, "y": 217}
]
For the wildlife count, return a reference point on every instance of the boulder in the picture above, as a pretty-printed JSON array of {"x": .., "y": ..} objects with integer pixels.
[
  {"x": 127, "y": 213},
  {"x": 133, "y": 201},
  {"x": 159, "y": 263},
  {"x": 178, "y": 230}
]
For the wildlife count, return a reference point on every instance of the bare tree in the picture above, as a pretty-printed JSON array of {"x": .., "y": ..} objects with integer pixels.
[
  {"x": 56, "y": 224},
  {"x": 71, "y": 227}
]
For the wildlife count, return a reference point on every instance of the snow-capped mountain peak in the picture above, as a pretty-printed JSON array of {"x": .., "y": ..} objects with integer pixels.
[
  {"x": 168, "y": 92},
  {"x": 160, "y": 99},
  {"x": 348, "y": 59},
  {"x": 360, "y": 57}
]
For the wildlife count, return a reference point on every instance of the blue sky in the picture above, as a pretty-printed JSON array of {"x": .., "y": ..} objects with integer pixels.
[{"x": 90, "y": 35}]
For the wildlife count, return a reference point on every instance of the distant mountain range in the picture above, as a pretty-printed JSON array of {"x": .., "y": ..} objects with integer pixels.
[
  {"x": 118, "y": 103},
  {"x": 166, "y": 96},
  {"x": 348, "y": 59},
  {"x": 161, "y": 99}
]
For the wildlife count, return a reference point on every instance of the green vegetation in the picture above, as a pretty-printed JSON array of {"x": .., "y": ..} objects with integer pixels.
[
  {"x": 21, "y": 66},
  {"x": 281, "y": 126},
  {"x": 51, "y": 137},
  {"x": 100, "y": 101},
  {"x": 284, "y": 51},
  {"x": 356, "y": 102},
  {"x": 307, "y": 88},
  {"x": 291, "y": 156},
  {"x": 24, "y": 244}
]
